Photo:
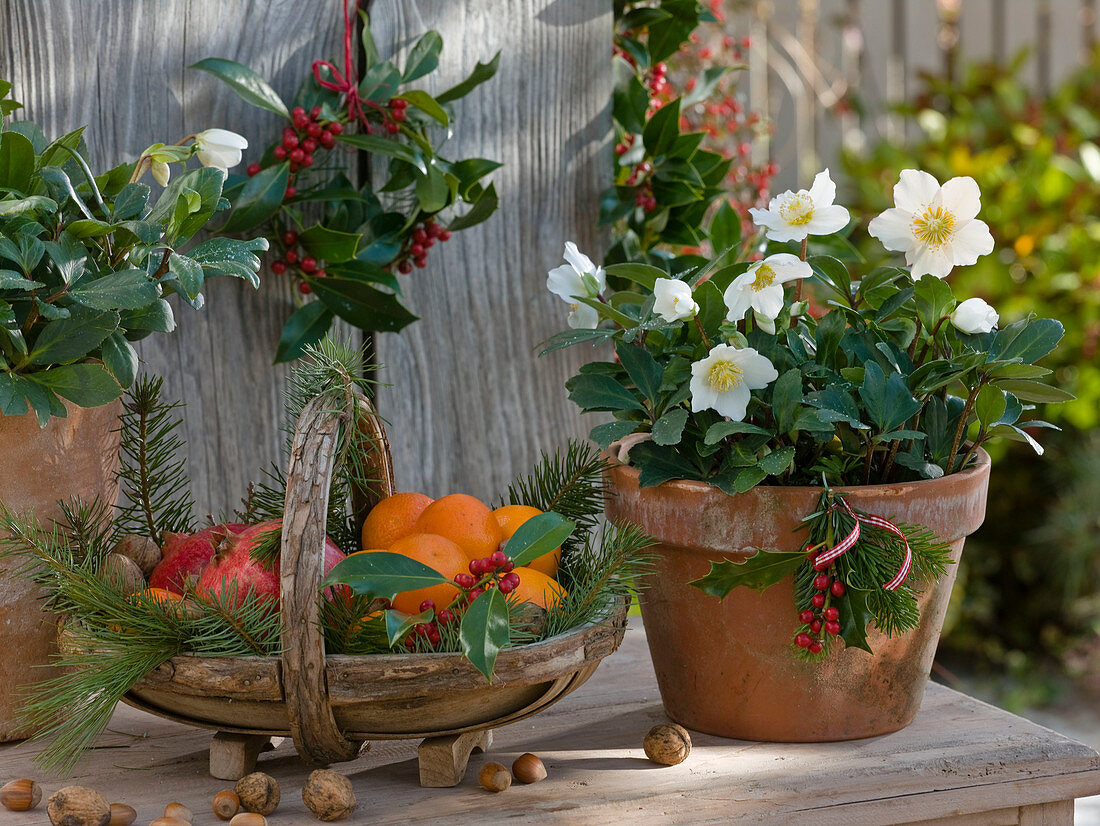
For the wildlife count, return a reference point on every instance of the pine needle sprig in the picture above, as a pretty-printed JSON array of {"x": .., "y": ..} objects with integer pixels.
[
  {"x": 606, "y": 569},
  {"x": 570, "y": 483},
  {"x": 266, "y": 498},
  {"x": 156, "y": 494}
]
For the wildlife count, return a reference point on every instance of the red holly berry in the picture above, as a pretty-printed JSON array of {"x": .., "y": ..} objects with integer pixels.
[
  {"x": 621, "y": 148},
  {"x": 512, "y": 576},
  {"x": 475, "y": 593},
  {"x": 301, "y": 121},
  {"x": 433, "y": 635},
  {"x": 464, "y": 580},
  {"x": 420, "y": 234},
  {"x": 499, "y": 559},
  {"x": 309, "y": 263},
  {"x": 818, "y": 600},
  {"x": 278, "y": 267},
  {"x": 309, "y": 145},
  {"x": 508, "y": 566},
  {"x": 445, "y": 235},
  {"x": 291, "y": 257},
  {"x": 806, "y": 616},
  {"x": 254, "y": 169},
  {"x": 307, "y": 160},
  {"x": 475, "y": 567},
  {"x": 416, "y": 250},
  {"x": 290, "y": 237},
  {"x": 398, "y": 103},
  {"x": 815, "y": 626},
  {"x": 290, "y": 138},
  {"x": 405, "y": 267},
  {"x": 304, "y": 288},
  {"x": 427, "y": 605},
  {"x": 802, "y": 640},
  {"x": 831, "y": 613},
  {"x": 444, "y": 617},
  {"x": 314, "y": 130},
  {"x": 320, "y": 274},
  {"x": 650, "y": 204},
  {"x": 821, "y": 564},
  {"x": 315, "y": 112},
  {"x": 328, "y": 140},
  {"x": 420, "y": 263},
  {"x": 838, "y": 589},
  {"x": 296, "y": 111},
  {"x": 832, "y": 628},
  {"x": 398, "y": 115},
  {"x": 290, "y": 192},
  {"x": 506, "y": 587},
  {"x": 335, "y": 127},
  {"x": 816, "y": 647},
  {"x": 297, "y": 155},
  {"x": 821, "y": 582},
  {"x": 279, "y": 152},
  {"x": 392, "y": 128}
]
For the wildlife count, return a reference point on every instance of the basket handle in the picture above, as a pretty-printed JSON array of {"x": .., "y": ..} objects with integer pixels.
[{"x": 309, "y": 478}]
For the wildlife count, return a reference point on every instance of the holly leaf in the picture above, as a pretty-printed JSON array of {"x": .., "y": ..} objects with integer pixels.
[
  {"x": 399, "y": 624},
  {"x": 538, "y": 536},
  {"x": 760, "y": 571},
  {"x": 306, "y": 325},
  {"x": 484, "y": 631},
  {"x": 854, "y": 616},
  {"x": 382, "y": 574},
  {"x": 245, "y": 82}
]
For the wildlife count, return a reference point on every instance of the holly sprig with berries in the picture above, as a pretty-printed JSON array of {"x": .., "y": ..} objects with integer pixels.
[
  {"x": 855, "y": 569},
  {"x": 347, "y": 263},
  {"x": 673, "y": 194}
]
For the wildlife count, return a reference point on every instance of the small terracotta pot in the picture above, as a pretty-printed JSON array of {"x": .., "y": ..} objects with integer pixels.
[
  {"x": 726, "y": 667},
  {"x": 74, "y": 456}
]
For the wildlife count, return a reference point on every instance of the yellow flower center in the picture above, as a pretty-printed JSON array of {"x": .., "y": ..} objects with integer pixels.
[
  {"x": 765, "y": 277},
  {"x": 797, "y": 209},
  {"x": 934, "y": 226},
  {"x": 724, "y": 375}
]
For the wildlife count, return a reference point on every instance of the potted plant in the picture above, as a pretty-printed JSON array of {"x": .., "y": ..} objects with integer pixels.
[
  {"x": 86, "y": 262},
  {"x": 804, "y": 463}
]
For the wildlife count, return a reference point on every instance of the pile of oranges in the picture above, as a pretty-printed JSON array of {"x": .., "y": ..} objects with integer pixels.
[{"x": 464, "y": 540}]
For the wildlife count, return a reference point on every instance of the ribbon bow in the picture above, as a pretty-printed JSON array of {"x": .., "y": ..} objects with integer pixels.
[
  {"x": 823, "y": 559},
  {"x": 346, "y": 82}
]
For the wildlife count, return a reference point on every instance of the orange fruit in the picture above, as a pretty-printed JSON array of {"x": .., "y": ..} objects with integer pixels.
[
  {"x": 393, "y": 518},
  {"x": 538, "y": 588},
  {"x": 464, "y": 520},
  {"x": 160, "y": 595},
  {"x": 510, "y": 518},
  {"x": 437, "y": 553}
]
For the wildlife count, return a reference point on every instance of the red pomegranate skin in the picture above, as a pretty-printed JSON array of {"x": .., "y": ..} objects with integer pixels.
[
  {"x": 233, "y": 569},
  {"x": 185, "y": 555}
]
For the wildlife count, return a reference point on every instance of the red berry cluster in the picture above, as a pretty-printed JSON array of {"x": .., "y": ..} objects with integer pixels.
[
  {"x": 419, "y": 242},
  {"x": 305, "y": 264},
  {"x": 396, "y": 115},
  {"x": 639, "y": 178},
  {"x": 300, "y": 141},
  {"x": 493, "y": 571},
  {"x": 658, "y": 79},
  {"x": 822, "y": 616}
]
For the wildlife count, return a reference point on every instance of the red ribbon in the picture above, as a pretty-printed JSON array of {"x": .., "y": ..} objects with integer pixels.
[
  {"x": 823, "y": 559},
  {"x": 346, "y": 83}
]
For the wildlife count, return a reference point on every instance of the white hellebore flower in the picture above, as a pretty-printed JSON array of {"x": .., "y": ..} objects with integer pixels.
[
  {"x": 935, "y": 226},
  {"x": 161, "y": 172},
  {"x": 673, "y": 301},
  {"x": 975, "y": 316},
  {"x": 760, "y": 288},
  {"x": 792, "y": 216},
  {"x": 579, "y": 278},
  {"x": 723, "y": 379},
  {"x": 220, "y": 148}
]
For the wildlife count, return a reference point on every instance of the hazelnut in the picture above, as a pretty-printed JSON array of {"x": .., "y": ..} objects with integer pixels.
[
  {"x": 259, "y": 793},
  {"x": 122, "y": 815},
  {"x": 328, "y": 795},
  {"x": 667, "y": 744},
  {"x": 122, "y": 572},
  {"x": 527, "y": 768},
  {"x": 168, "y": 821},
  {"x": 248, "y": 819},
  {"x": 494, "y": 777},
  {"x": 78, "y": 806},
  {"x": 141, "y": 549},
  {"x": 179, "y": 811},
  {"x": 226, "y": 804},
  {"x": 20, "y": 795}
]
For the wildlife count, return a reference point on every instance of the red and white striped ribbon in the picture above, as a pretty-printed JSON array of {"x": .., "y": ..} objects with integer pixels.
[{"x": 823, "y": 559}]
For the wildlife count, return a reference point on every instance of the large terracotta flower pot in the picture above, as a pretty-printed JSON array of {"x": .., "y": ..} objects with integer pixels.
[
  {"x": 726, "y": 667},
  {"x": 74, "y": 456}
]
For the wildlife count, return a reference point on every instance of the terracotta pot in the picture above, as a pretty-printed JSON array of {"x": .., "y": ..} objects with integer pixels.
[
  {"x": 726, "y": 667},
  {"x": 74, "y": 456}
]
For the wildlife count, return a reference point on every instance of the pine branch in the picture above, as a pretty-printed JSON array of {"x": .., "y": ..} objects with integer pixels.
[{"x": 156, "y": 493}]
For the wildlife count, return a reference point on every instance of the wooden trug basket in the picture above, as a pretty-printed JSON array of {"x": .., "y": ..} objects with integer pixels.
[{"x": 332, "y": 706}]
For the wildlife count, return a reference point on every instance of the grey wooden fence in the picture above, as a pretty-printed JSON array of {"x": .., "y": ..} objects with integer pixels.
[
  {"x": 469, "y": 403},
  {"x": 808, "y": 54}
]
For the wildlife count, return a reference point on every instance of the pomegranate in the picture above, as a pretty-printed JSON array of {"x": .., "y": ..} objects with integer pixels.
[
  {"x": 185, "y": 555},
  {"x": 233, "y": 570}
]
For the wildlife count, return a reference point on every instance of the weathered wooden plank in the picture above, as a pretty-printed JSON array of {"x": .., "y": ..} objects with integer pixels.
[
  {"x": 959, "y": 758},
  {"x": 120, "y": 68},
  {"x": 471, "y": 405}
]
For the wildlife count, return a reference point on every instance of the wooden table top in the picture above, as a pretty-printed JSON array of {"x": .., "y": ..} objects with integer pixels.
[{"x": 960, "y": 756}]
